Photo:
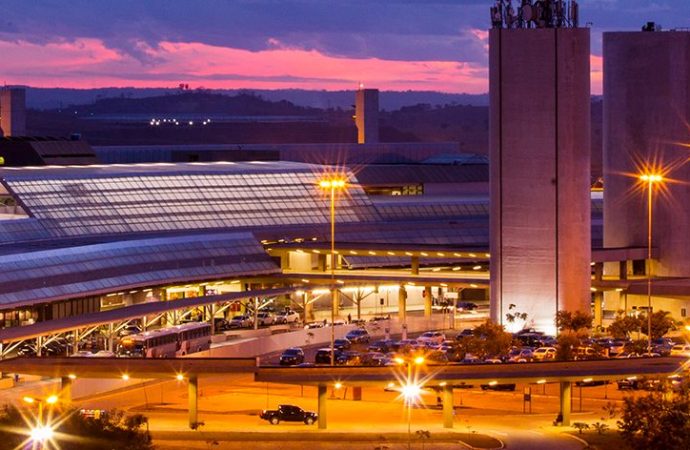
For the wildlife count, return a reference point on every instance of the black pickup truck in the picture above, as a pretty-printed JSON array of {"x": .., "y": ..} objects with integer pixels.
[{"x": 288, "y": 413}]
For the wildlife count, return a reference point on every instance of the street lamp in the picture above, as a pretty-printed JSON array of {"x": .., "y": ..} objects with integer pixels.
[
  {"x": 411, "y": 389},
  {"x": 333, "y": 184},
  {"x": 649, "y": 179},
  {"x": 42, "y": 432}
]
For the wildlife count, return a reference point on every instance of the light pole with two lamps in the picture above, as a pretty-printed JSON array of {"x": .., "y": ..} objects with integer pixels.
[
  {"x": 650, "y": 179},
  {"x": 333, "y": 184},
  {"x": 42, "y": 432},
  {"x": 411, "y": 389}
]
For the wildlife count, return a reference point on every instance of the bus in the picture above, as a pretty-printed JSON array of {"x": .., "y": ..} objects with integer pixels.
[{"x": 179, "y": 340}]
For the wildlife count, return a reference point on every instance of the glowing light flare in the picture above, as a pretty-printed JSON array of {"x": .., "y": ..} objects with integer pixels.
[
  {"x": 41, "y": 433},
  {"x": 332, "y": 183},
  {"x": 51, "y": 400},
  {"x": 125, "y": 377},
  {"x": 652, "y": 177},
  {"x": 179, "y": 377},
  {"x": 411, "y": 392}
]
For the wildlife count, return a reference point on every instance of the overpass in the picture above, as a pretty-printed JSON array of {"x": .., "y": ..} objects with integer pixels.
[{"x": 440, "y": 377}]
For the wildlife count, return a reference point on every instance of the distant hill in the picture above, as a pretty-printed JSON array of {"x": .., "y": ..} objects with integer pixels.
[
  {"x": 191, "y": 102},
  {"x": 58, "y": 98}
]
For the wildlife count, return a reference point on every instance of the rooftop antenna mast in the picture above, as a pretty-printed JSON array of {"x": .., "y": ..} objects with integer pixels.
[{"x": 535, "y": 14}]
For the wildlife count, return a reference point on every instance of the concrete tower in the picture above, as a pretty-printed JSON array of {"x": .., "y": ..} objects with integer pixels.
[
  {"x": 367, "y": 115},
  {"x": 540, "y": 172},
  {"x": 646, "y": 116},
  {"x": 13, "y": 111}
]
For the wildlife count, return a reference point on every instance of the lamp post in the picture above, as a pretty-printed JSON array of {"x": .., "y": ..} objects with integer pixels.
[
  {"x": 333, "y": 184},
  {"x": 410, "y": 391},
  {"x": 649, "y": 179},
  {"x": 41, "y": 432}
]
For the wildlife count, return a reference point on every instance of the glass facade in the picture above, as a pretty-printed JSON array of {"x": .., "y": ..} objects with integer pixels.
[{"x": 190, "y": 197}]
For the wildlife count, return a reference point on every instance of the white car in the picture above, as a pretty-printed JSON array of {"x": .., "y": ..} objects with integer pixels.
[
  {"x": 431, "y": 337},
  {"x": 544, "y": 354},
  {"x": 681, "y": 350},
  {"x": 265, "y": 318},
  {"x": 287, "y": 317}
]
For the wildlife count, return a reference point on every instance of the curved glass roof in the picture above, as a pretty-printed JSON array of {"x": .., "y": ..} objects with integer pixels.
[
  {"x": 41, "y": 276},
  {"x": 77, "y": 201}
]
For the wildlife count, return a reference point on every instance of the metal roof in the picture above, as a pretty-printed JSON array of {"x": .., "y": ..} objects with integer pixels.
[
  {"x": 93, "y": 200},
  {"x": 42, "y": 276}
]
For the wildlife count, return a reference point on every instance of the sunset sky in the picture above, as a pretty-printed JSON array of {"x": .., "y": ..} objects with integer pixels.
[{"x": 436, "y": 45}]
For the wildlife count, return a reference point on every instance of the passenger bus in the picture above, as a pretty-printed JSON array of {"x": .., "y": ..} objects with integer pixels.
[{"x": 179, "y": 340}]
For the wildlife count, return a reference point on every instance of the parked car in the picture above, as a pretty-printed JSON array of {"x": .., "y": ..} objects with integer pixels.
[
  {"x": 287, "y": 317},
  {"x": 288, "y": 413},
  {"x": 221, "y": 324},
  {"x": 521, "y": 355},
  {"x": 588, "y": 383},
  {"x": 681, "y": 350},
  {"x": 265, "y": 318},
  {"x": 104, "y": 354},
  {"x": 292, "y": 356},
  {"x": 311, "y": 325},
  {"x": 323, "y": 355},
  {"x": 383, "y": 346},
  {"x": 358, "y": 336},
  {"x": 244, "y": 321},
  {"x": 431, "y": 337},
  {"x": 342, "y": 344},
  {"x": 467, "y": 332},
  {"x": 129, "y": 329},
  {"x": 544, "y": 354}
]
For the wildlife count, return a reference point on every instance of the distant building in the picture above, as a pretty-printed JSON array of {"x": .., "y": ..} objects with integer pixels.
[
  {"x": 13, "y": 111},
  {"x": 45, "y": 151},
  {"x": 646, "y": 116},
  {"x": 367, "y": 115}
]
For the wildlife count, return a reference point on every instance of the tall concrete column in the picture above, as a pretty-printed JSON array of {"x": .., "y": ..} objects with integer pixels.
[
  {"x": 367, "y": 116},
  {"x": 66, "y": 389},
  {"x": 193, "y": 401},
  {"x": 448, "y": 408},
  {"x": 565, "y": 401},
  {"x": 322, "y": 410},
  {"x": 357, "y": 393},
  {"x": 539, "y": 144},
  {"x": 402, "y": 310},
  {"x": 598, "y": 307},
  {"x": 645, "y": 123},
  {"x": 428, "y": 298}
]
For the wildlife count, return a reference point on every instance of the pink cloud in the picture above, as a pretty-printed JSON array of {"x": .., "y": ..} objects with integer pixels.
[
  {"x": 596, "y": 68},
  {"x": 89, "y": 63}
]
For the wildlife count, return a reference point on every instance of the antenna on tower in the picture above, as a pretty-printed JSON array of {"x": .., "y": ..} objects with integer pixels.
[{"x": 535, "y": 14}]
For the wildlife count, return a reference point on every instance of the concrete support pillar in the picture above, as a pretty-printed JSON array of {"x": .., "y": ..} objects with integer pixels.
[
  {"x": 428, "y": 298},
  {"x": 111, "y": 336},
  {"x": 335, "y": 300},
  {"x": 308, "y": 309},
  {"x": 39, "y": 346},
  {"x": 598, "y": 306},
  {"x": 566, "y": 398},
  {"x": 402, "y": 310},
  {"x": 212, "y": 312},
  {"x": 66, "y": 389},
  {"x": 414, "y": 265},
  {"x": 448, "y": 408},
  {"x": 322, "y": 266},
  {"x": 75, "y": 342},
  {"x": 357, "y": 393},
  {"x": 193, "y": 401},
  {"x": 322, "y": 412},
  {"x": 256, "y": 313}
]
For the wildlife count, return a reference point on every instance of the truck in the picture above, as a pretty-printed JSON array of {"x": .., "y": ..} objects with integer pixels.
[{"x": 288, "y": 413}]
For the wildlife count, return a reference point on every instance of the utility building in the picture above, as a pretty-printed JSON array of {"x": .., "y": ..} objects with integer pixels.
[
  {"x": 540, "y": 164},
  {"x": 13, "y": 111},
  {"x": 646, "y": 116},
  {"x": 367, "y": 115}
]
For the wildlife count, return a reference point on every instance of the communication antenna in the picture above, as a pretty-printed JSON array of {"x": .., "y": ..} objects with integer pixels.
[{"x": 535, "y": 14}]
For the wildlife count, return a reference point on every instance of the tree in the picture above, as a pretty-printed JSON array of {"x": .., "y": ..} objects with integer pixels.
[
  {"x": 623, "y": 326},
  {"x": 600, "y": 427},
  {"x": 488, "y": 339},
  {"x": 568, "y": 341},
  {"x": 573, "y": 321},
  {"x": 514, "y": 315},
  {"x": 113, "y": 431},
  {"x": 661, "y": 323},
  {"x": 654, "y": 422}
]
